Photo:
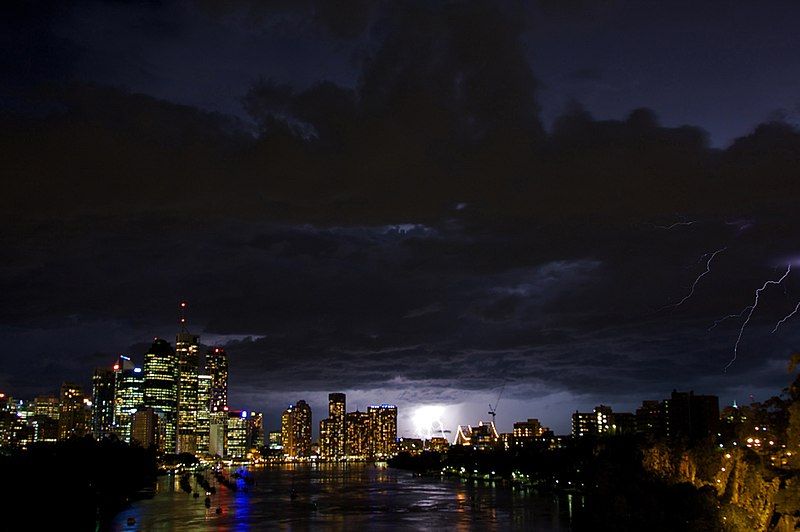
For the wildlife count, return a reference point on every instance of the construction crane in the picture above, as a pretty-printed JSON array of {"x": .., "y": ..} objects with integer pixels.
[{"x": 493, "y": 409}]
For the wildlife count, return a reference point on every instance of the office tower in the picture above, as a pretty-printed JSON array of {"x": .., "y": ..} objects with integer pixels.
[
  {"x": 72, "y": 412},
  {"x": 203, "y": 412},
  {"x": 103, "y": 382},
  {"x": 255, "y": 430},
  {"x": 128, "y": 395},
  {"x": 599, "y": 421},
  {"x": 528, "y": 429},
  {"x": 296, "y": 431},
  {"x": 383, "y": 425},
  {"x": 186, "y": 352},
  {"x": 161, "y": 389},
  {"x": 236, "y": 434},
  {"x": 358, "y": 437},
  {"x": 217, "y": 367},
  {"x": 144, "y": 427},
  {"x": 217, "y": 429},
  {"x": 46, "y": 405}
]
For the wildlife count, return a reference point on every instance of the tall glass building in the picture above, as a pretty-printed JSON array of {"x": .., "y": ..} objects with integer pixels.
[
  {"x": 128, "y": 395},
  {"x": 203, "y": 412},
  {"x": 383, "y": 426},
  {"x": 103, "y": 383},
  {"x": 296, "y": 431},
  {"x": 186, "y": 350},
  {"x": 161, "y": 389},
  {"x": 217, "y": 367}
]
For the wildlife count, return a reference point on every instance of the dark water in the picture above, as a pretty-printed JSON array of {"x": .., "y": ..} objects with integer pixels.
[{"x": 350, "y": 497}]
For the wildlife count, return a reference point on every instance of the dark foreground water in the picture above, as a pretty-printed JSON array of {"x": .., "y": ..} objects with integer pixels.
[{"x": 350, "y": 497}]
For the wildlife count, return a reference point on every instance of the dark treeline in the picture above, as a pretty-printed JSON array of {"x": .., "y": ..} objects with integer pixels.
[{"x": 75, "y": 484}]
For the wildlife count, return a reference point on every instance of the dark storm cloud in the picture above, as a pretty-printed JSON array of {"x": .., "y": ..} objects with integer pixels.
[{"x": 418, "y": 229}]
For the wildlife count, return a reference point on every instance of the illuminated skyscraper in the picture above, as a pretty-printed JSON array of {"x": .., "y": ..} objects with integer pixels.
[
  {"x": 203, "y": 412},
  {"x": 128, "y": 395},
  {"x": 161, "y": 389},
  {"x": 383, "y": 427},
  {"x": 217, "y": 367},
  {"x": 103, "y": 382},
  {"x": 186, "y": 351},
  {"x": 296, "y": 431},
  {"x": 358, "y": 436},
  {"x": 332, "y": 433},
  {"x": 72, "y": 416}
]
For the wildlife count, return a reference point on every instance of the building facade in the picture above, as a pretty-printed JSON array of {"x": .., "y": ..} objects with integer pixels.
[
  {"x": 161, "y": 389},
  {"x": 103, "y": 385},
  {"x": 296, "y": 431},
  {"x": 383, "y": 425}
]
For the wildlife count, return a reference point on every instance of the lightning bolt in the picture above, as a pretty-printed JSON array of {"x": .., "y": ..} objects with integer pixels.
[
  {"x": 674, "y": 225},
  {"x": 752, "y": 308},
  {"x": 728, "y": 317},
  {"x": 697, "y": 280},
  {"x": 792, "y": 313}
]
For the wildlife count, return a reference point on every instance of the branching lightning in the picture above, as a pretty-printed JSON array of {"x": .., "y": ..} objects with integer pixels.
[
  {"x": 752, "y": 309},
  {"x": 728, "y": 317},
  {"x": 697, "y": 279},
  {"x": 674, "y": 225},
  {"x": 792, "y": 313}
]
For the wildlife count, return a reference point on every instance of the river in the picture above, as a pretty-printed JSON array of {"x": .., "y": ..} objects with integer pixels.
[{"x": 349, "y": 497}]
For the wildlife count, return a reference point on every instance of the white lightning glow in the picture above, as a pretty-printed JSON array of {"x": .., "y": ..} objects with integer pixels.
[
  {"x": 428, "y": 421},
  {"x": 752, "y": 309},
  {"x": 792, "y": 313},
  {"x": 697, "y": 279}
]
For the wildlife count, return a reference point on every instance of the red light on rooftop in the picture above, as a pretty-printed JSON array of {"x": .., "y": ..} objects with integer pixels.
[
  {"x": 216, "y": 349},
  {"x": 116, "y": 367},
  {"x": 183, "y": 304}
]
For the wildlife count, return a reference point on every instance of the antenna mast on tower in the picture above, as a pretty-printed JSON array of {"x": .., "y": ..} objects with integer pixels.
[{"x": 182, "y": 308}]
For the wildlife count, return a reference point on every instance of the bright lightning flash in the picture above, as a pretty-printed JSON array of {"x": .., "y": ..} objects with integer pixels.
[
  {"x": 752, "y": 308},
  {"x": 428, "y": 421}
]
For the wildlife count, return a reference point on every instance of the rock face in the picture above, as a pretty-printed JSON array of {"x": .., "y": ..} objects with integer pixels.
[{"x": 751, "y": 496}]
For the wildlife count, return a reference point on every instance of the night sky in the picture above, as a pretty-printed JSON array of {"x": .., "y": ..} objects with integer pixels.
[{"x": 412, "y": 202}]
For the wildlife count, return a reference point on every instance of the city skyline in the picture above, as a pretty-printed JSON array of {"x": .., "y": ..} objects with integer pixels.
[{"x": 571, "y": 220}]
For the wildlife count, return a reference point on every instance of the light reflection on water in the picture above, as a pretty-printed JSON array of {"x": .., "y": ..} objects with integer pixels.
[{"x": 348, "y": 497}]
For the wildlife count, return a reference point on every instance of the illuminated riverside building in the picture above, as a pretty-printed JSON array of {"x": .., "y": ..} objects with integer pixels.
[
  {"x": 296, "y": 431},
  {"x": 186, "y": 352},
  {"x": 236, "y": 440},
  {"x": 358, "y": 439},
  {"x": 72, "y": 415},
  {"x": 483, "y": 436},
  {"x": 144, "y": 428},
  {"x": 332, "y": 434},
  {"x": 383, "y": 428},
  {"x": 128, "y": 395},
  {"x": 103, "y": 382},
  {"x": 161, "y": 389},
  {"x": 203, "y": 412},
  {"x": 274, "y": 440},
  {"x": 217, "y": 367}
]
